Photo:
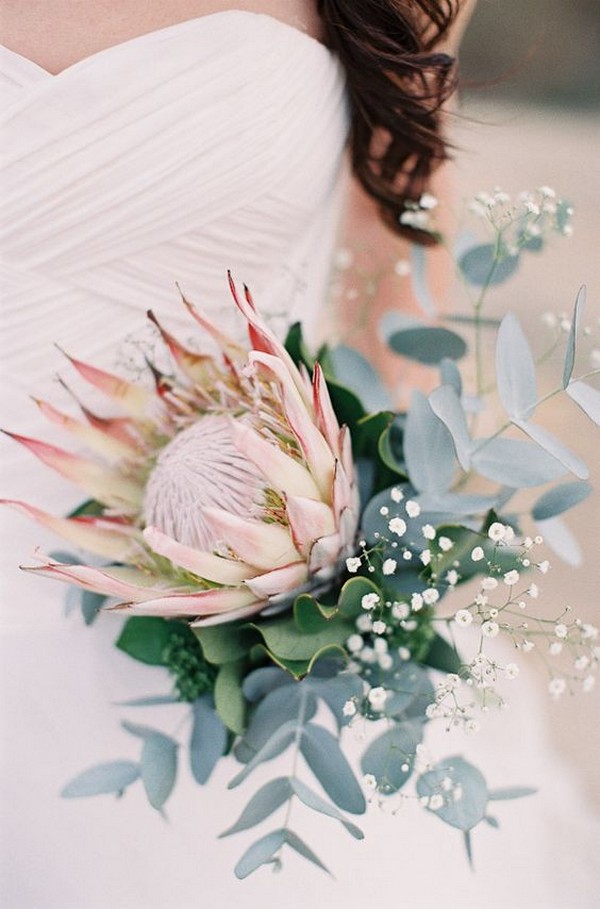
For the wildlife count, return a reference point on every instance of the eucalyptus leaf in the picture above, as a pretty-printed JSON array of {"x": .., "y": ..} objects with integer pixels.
[
  {"x": 446, "y": 405},
  {"x": 555, "y": 447},
  {"x": 484, "y": 266},
  {"x": 443, "y": 656},
  {"x": 225, "y": 643},
  {"x": 91, "y": 604},
  {"x": 263, "y": 803},
  {"x": 292, "y": 839},
  {"x": 390, "y": 757},
  {"x": 260, "y": 853},
  {"x": 453, "y": 503},
  {"x": 418, "y": 257},
  {"x": 561, "y": 540},
  {"x": 112, "y": 777},
  {"x": 560, "y": 499},
  {"x": 351, "y": 594},
  {"x": 428, "y": 448},
  {"x": 515, "y": 462},
  {"x": 336, "y": 691},
  {"x": 394, "y": 320},
  {"x": 152, "y": 700},
  {"x": 284, "y": 639},
  {"x": 280, "y": 706},
  {"x": 572, "y": 339},
  {"x": 139, "y": 730},
  {"x": 357, "y": 374},
  {"x": 208, "y": 741},
  {"x": 325, "y": 758},
  {"x": 278, "y": 742},
  {"x": 262, "y": 681},
  {"x": 515, "y": 370},
  {"x": 514, "y": 792},
  {"x": 586, "y": 398},
  {"x": 428, "y": 345},
  {"x": 450, "y": 375},
  {"x": 468, "y": 810},
  {"x": 159, "y": 767},
  {"x": 313, "y": 800}
]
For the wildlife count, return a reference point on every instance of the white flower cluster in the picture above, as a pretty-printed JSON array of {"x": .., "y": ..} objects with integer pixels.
[
  {"x": 524, "y": 219},
  {"x": 419, "y": 214}
]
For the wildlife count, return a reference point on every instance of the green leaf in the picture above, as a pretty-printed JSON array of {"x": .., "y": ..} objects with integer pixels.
[
  {"x": 390, "y": 757},
  {"x": 560, "y": 499},
  {"x": 263, "y": 803},
  {"x": 310, "y": 615},
  {"x": 428, "y": 345},
  {"x": 208, "y": 741},
  {"x": 443, "y": 656},
  {"x": 428, "y": 448},
  {"x": 90, "y": 507},
  {"x": 225, "y": 643},
  {"x": 145, "y": 637},
  {"x": 465, "y": 812},
  {"x": 260, "y": 853},
  {"x": 482, "y": 266},
  {"x": 390, "y": 446},
  {"x": 347, "y": 407},
  {"x": 229, "y": 697},
  {"x": 586, "y": 398},
  {"x": 285, "y": 640},
  {"x": 112, "y": 777},
  {"x": 159, "y": 767},
  {"x": 324, "y": 756},
  {"x": 515, "y": 370},
  {"x": 295, "y": 346},
  {"x": 314, "y": 801},
  {"x": 351, "y": 594},
  {"x": 572, "y": 339}
]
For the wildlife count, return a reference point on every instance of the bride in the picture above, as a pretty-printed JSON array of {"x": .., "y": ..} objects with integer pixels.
[{"x": 149, "y": 143}]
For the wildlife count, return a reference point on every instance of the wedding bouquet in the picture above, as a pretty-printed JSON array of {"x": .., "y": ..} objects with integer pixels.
[{"x": 299, "y": 564}]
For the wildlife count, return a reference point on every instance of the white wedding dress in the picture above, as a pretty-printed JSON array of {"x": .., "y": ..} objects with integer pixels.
[{"x": 212, "y": 144}]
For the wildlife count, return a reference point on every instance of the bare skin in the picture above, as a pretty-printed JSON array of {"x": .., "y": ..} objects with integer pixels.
[{"x": 55, "y": 34}]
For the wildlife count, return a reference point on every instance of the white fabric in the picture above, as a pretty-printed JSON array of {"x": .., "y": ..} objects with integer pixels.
[{"x": 212, "y": 144}]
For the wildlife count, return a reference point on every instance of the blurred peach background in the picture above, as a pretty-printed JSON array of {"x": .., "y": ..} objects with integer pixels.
[{"x": 536, "y": 125}]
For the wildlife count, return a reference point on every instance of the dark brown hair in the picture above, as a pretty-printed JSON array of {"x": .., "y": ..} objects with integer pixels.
[{"x": 397, "y": 84}]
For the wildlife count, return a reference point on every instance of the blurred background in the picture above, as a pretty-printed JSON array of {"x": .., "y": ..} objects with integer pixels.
[{"x": 529, "y": 115}]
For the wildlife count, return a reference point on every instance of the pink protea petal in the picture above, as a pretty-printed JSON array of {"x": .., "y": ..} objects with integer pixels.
[
  {"x": 99, "y": 481},
  {"x": 206, "y": 602},
  {"x": 309, "y": 520},
  {"x": 204, "y": 564},
  {"x": 319, "y": 456},
  {"x": 325, "y": 553},
  {"x": 255, "y": 542},
  {"x": 342, "y": 491},
  {"x": 100, "y": 442},
  {"x": 229, "y": 347},
  {"x": 134, "y": 399},
  {"x": 280, "y": 580},
  {"x": 110, "y": 539},
  {"x": 231, "y": 616},
  {"x": 114, "y": 582},
  {"x": 326, "y": 418},
  {"x": 348, "y": 525},
  {"x": 263, "y": 339},
  {"x": 345, "y": 448},
  {"x": 197, "y": 367},
  {"x": 281, "y": 471}
]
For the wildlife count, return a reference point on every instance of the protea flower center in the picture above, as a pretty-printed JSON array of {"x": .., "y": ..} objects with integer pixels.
[{"x": 200, "y": 468}]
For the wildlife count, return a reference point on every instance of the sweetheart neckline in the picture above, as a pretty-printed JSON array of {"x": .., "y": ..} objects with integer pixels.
[{"x": 121, "y": 46}]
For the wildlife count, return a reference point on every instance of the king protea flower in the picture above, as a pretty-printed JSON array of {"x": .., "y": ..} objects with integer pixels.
[{"x": 225, "y": 487}]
